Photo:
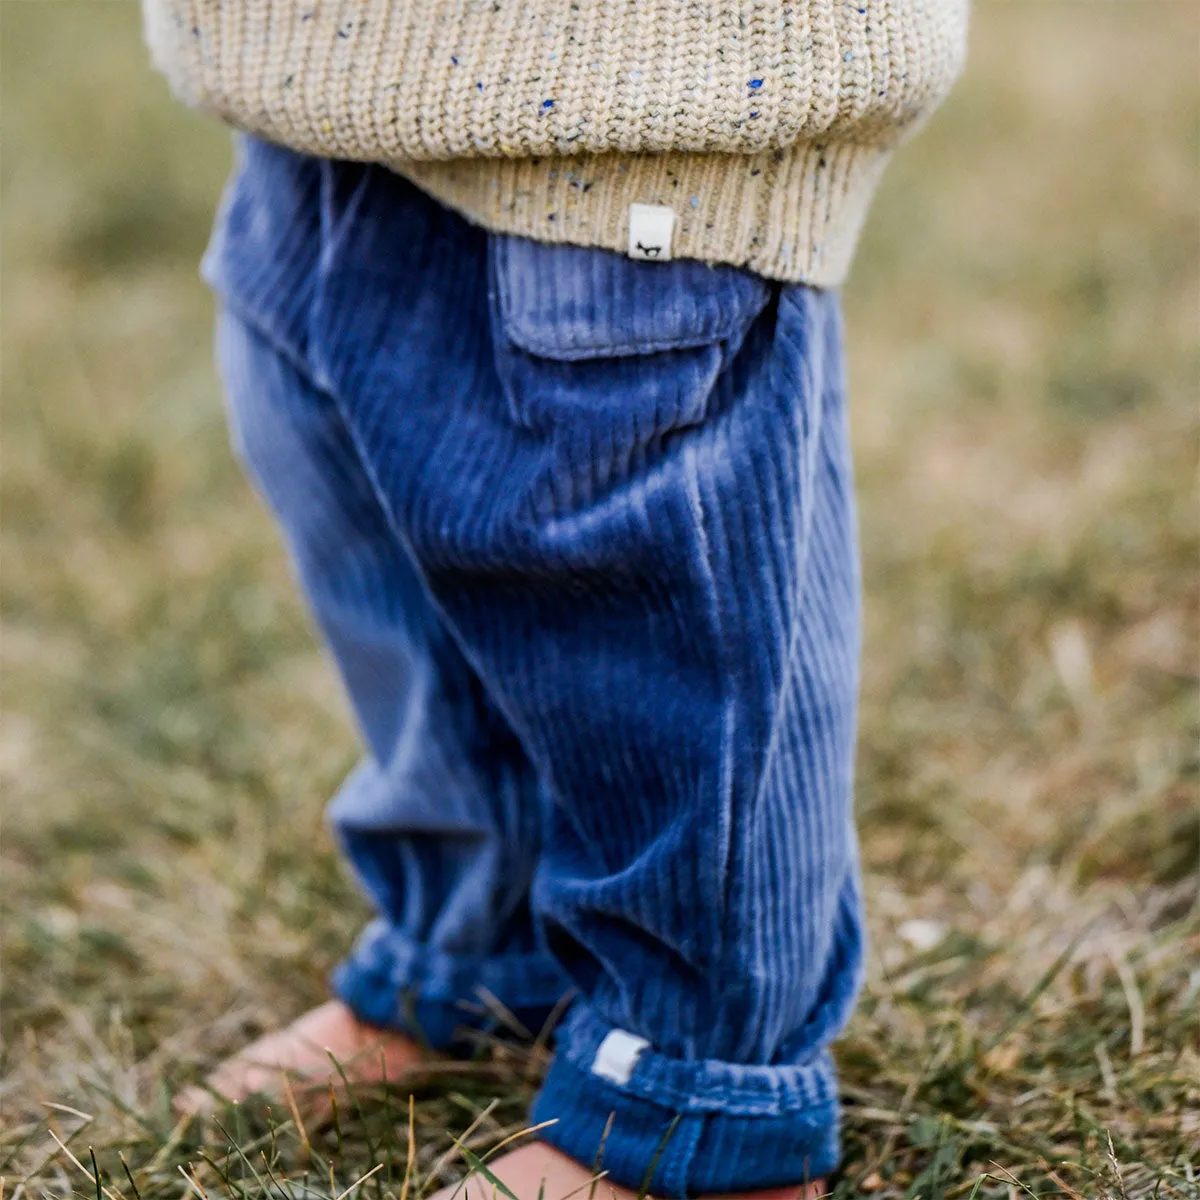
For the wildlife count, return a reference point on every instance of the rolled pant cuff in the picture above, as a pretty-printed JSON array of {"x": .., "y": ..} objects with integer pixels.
[
  {"x": 700, "y": 1127},
  {"x": 390, "y": 981}
]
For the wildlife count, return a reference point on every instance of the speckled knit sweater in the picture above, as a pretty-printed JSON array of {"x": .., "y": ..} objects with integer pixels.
[{"x": 762, "y": 126}]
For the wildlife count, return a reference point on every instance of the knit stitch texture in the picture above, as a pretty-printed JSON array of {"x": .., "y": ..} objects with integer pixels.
[{"x": 763, "y": 124}]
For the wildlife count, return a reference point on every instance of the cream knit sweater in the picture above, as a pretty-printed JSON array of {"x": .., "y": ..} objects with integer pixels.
[{"x": 762, "y": 125}]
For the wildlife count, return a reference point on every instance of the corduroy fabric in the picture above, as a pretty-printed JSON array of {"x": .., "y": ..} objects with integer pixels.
[
  {"x": 589, "y": 570},
  {"x": 764, "y": 124}
]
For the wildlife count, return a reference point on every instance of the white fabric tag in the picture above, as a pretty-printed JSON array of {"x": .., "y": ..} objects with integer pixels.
[
  {"x": 650, "y": 229},
  {"x": 617, "y": 1055}
]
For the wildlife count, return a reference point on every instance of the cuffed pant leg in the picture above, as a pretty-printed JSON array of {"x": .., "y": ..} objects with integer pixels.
[{"x": 442, "y": 821}]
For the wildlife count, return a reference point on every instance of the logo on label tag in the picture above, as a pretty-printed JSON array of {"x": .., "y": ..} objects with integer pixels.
[{"x": 650, "y": 229}]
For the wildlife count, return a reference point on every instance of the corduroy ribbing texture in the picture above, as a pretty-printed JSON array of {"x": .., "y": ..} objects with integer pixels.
[
  {"x": 764, "y": 125},
  {"x": 579, "y": 531}
]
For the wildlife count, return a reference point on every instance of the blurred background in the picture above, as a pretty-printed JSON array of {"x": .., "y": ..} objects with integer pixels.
[{"x": 1024, "y": 362}]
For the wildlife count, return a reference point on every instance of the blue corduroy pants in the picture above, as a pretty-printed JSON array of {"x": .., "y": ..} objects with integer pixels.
[{"x": 579, "y": 532}]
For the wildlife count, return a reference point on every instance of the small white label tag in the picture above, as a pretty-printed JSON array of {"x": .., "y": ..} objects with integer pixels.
[
  {"x": 650, "y": 229},
  {"x": 617, "y": 1055}
]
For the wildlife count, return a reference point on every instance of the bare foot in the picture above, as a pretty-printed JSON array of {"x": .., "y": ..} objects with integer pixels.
[
  {"x": 298, "y": 1057},
  {"x": 539, "y": 1170}
]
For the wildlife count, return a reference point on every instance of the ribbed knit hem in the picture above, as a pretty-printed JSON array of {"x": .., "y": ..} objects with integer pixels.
[
  {"x": 700, "y": 1127},
  {"x": 390, "y": 981},
  {"x": 793, "y": 215}
]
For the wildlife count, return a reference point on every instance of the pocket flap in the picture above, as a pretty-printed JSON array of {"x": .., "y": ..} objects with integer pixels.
[{"x": 575, "y": 302}]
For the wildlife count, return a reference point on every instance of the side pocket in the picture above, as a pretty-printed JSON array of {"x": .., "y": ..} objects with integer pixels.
[
  {"x": 588, "y": 337},
  {"x": 572, "y": 302}
]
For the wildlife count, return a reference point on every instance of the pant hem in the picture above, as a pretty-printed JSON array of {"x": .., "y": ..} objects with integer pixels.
[
  {"x": 690, "y": 1152},
  {"x": 390, "y": 981}
]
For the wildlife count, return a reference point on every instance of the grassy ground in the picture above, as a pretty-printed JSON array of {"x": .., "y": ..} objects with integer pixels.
[{"x": 1023, "y": 339}]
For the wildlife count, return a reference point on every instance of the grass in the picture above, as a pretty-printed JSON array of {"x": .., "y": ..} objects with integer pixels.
[{"x": 1023, "y": 342}]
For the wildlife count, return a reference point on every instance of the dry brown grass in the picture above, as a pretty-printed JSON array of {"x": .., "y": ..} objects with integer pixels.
[{"x": 1023, "y": 338}]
